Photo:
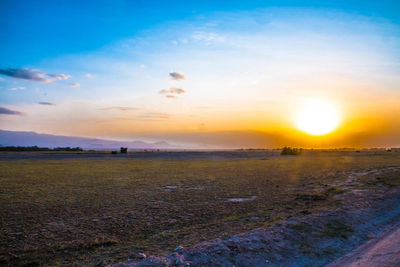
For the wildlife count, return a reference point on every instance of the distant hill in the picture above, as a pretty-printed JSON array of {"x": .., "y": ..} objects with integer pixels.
[{"x": 13, "y": 138}]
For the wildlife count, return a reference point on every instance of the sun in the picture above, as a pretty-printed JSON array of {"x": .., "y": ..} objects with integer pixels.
[{"x": 317, "y": 117}]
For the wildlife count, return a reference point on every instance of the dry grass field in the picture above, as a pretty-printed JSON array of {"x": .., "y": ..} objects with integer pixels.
[{"x": 98, "y": 211}]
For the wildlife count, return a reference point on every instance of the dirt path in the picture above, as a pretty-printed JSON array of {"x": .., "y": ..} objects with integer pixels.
[{"x": 383, "y": 251}]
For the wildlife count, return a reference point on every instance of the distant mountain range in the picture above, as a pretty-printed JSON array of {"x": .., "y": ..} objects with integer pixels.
[{"x": 13, "y": 138}]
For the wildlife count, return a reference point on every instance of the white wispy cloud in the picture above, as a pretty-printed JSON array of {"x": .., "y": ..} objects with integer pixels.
[
  {"x": 17, "y": 88},
  {"x": 208, "y": 37}
]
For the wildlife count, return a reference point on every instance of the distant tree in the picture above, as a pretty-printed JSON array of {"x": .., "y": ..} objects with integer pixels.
[
  {"x": 36, "y": 148},
  {"x": 67, "y": 149},
  {"x": 291, "y": 151},
  {"x": 123, "y": 150}
]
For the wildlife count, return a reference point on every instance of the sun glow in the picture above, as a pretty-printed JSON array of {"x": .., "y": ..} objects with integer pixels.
[{"x": 317, "y": 117}]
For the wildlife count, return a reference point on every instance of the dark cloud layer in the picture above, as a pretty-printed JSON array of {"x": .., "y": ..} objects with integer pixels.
[
  {"x": 6, "y": 111},
  {"x": 177, "y": 76},
  {"x": 33, "y": 75}
]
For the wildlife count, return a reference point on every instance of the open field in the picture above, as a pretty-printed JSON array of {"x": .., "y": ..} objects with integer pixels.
[
  {"x": 98, "y": 211},
  {"x": 177, "y": 155}
]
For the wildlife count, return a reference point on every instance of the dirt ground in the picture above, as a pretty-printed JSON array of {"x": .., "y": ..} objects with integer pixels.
[
  {"x": 383, "y": 251},
  {"x": 368, "y": 217},
  {"x": 90, "y": 211}
]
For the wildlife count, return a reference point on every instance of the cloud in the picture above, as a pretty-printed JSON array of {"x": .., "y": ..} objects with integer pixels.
[
  {"x": 172, "y": 92},
  {"x": 119, "y": 108},
  {"x": 46, "y": 103},
  {"x": 17, "y": 88},
  {"x": 177, "y": 90},
  {"x": 177, "y": 76},
  {"x": 208, "y": 37},
  {"x": 163, "y": 91},
  {"x": 74, "y": 84},
  {"x": 33, "y": 75},
  {"x": 6, "y": 111},
  {"x": 147, "y": 116},
  {"x": 153, "y": 115},
  {"x": 60, "y": 76},
  {"x": 88, "y": 75}
]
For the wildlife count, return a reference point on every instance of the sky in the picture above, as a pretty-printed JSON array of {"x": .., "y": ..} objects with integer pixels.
[{"x": 203, "y": 74}]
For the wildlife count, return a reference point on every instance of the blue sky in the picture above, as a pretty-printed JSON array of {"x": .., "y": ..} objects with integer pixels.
[
  {"x": 35, "y": 30},
  {"x": 107, "y": 68}
]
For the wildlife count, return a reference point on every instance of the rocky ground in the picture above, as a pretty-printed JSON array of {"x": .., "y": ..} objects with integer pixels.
[{"x": 318, "y": 239}]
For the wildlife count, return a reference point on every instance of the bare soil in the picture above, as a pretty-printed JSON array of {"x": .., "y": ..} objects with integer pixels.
[
  {"x": 89, "y": 211},
  {"x": 368, "y": 216}
]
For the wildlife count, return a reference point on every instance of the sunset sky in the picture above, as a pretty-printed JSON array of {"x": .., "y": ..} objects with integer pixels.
[{"x": 203, "y": 74}]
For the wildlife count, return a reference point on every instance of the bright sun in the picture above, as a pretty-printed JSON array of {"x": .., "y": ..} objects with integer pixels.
[{"x": 317, "y": 117}]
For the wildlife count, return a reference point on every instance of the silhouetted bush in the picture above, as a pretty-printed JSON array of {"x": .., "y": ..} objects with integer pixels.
[
  {"x": 114, "y": 152},
  {"x": 291, "y": 151},
  {"x": 123, "y": 150}
]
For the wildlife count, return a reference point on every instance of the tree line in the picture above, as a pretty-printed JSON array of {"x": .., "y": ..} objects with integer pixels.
[{"x": 36, "y": 148}]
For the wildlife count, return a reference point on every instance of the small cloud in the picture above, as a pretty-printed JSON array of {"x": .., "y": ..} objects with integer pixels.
[
  {"x": 119, "y": 108},
  {"x": 176, "y": 90},
  {"x": 89, "y": 76},
  {"x": 208, "y": 37},
  {"x": 46, "y": 103},
  {"x": 1, "y": 79},
  {"x": 172, "y": 92},
  {"x": 177, "y": 76},
  {"x": 153, "y": 115},
  {"x": 74, "y": 84},
  {"x": 142, "y": 66},
  {"x": 17, "y": 88},
  {"x": 6, "y": 111},
  {"x": 163, "y": 91},
  {"x": 60, "y": 76},
  {"x": 33, "y": 75}
]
